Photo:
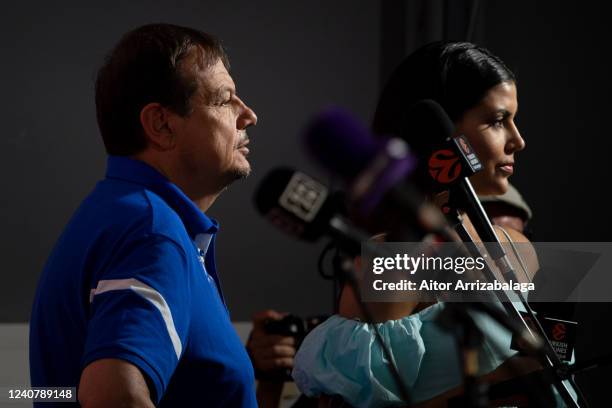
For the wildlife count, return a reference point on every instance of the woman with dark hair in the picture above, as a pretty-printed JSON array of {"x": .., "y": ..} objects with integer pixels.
[
  {"x": 341, "y": 356},
  {"x": 477, "y": 91}
]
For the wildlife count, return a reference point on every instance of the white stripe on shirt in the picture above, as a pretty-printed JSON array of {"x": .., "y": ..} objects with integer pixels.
[{"x": 149, "y": 294}]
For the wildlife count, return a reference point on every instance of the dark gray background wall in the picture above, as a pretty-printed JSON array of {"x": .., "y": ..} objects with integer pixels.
[
  {"x": 289, "y": 60},
  {"x": 561, "y": 53}
]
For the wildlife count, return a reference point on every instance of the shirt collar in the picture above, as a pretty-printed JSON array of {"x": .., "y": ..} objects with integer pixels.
[{"x": 136, "y": 171}]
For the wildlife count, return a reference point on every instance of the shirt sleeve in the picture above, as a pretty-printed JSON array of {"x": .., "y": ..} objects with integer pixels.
[{"x": 139, "y": 309}]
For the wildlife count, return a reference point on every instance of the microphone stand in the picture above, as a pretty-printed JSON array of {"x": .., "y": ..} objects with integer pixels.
[{"x": 462, "y": 196}]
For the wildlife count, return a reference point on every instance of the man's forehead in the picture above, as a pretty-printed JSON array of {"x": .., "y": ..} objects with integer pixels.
[
  {"x": 210, "y": 77},
  {"x": 219, "y": 77},
  {"x": 215, "y": 78}
]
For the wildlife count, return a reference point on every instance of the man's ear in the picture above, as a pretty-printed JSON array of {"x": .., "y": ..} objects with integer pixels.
[{"x": 154, "y": 119}]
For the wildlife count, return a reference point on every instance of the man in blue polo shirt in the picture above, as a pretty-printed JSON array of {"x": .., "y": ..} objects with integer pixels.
[{"x": 129, "y": 307}]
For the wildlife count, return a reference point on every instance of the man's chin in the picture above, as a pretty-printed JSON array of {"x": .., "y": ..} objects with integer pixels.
[{"x": 239, "y": 173}]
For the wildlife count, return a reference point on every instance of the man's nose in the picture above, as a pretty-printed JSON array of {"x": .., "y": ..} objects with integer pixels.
[{"x": 247, "y": 117}]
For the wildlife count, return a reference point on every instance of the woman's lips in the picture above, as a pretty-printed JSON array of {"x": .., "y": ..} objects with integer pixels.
[{"x": 507, "y": 168}]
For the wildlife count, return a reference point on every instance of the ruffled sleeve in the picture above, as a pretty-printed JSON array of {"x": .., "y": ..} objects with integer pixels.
[{"x": 342, "y": 357}]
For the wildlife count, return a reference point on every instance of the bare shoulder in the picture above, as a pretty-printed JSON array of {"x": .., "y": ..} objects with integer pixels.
[
  {"x": 521, "y": 254},
  {"x": 515, "y": 235}
]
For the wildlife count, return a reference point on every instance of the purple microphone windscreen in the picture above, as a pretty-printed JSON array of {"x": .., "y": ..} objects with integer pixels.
[{"x": 340, "y": 143}]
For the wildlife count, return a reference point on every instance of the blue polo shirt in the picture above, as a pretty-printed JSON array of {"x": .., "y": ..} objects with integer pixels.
[{"x": 133, "y": 277}]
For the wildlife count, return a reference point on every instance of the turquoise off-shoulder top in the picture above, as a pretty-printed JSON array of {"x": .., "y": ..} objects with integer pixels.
[{"x": 341, "y": 357}]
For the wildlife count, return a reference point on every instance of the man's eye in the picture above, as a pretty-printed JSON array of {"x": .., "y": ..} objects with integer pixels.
[{"x": 226, "y": 101}]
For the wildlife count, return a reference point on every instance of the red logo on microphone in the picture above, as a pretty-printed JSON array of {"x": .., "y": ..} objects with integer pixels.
[
  {"x": 558, "y": 331},
  {"x": 444, "y": 166}
]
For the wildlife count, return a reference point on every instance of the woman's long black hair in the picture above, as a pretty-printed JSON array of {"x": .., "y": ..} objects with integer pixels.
[{"x": 455, "y": 74}]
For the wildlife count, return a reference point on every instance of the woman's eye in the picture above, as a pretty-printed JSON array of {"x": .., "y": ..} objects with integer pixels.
[{"x": 498, "y": 124}]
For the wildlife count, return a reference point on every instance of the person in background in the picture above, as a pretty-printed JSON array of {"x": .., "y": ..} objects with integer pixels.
[
  {"x": 509, "y": 210},
  {"x": 272, "y": 355}
]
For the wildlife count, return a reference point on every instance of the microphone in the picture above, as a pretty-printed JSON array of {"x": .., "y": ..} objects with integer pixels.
[
  {"x": 445, "y": 159},
  {"x": 381, "y": 198},
  {"x": 450, "y": 162},
  {"x": 303, "y": 207}
]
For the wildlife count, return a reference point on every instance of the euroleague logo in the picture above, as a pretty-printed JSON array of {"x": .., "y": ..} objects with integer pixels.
[{"x": 444, "y": 166}]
